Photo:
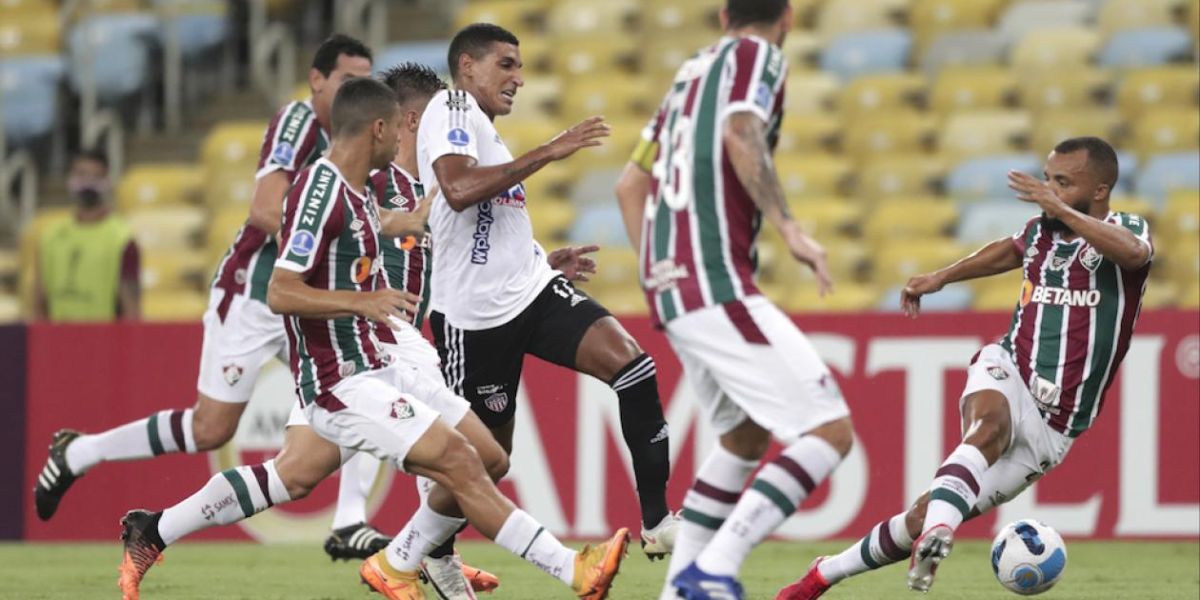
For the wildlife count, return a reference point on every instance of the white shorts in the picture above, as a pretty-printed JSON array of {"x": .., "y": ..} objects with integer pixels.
[
  {"x": 1035, "y": 448},
  {"x": 748, "y": 359},
  {"x": 236, "y": 347}
]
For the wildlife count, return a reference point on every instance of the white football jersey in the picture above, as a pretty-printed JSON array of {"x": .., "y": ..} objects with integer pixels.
[{"x": 488, "y": 266}]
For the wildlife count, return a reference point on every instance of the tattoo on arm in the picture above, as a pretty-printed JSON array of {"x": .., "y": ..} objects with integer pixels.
[
  {"x": 521, "y": 172},
  {"x": 763, "y": 184}
]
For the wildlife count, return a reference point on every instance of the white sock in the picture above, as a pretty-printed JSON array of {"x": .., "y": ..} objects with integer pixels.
[
  {"x": 955, "y": 488},
  {"x": 228, "y": 497},
  {"x": 424, "y": 486},
  {"x": 778, "y": 489},
  {"x": 356, "y": 477},
  {"x": 525, "y": 537},
  {"x": 161, "y": 433},
  {"x": 719, "y": 483},
  {"x": 886, "y": 543},
  {"x": 425, "y": 531}
]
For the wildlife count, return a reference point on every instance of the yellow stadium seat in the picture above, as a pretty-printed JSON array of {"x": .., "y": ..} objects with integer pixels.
[
  {"x": 976, "y": 133},
  {"x": 827, "y": 218},
  {"x": 910, "y": 218},
  {"x": 809, "y": 91},
  {"x": 221, "y": 230},
  {"x": 551, "y": 219},
  {"x": 928, "y": 18},
  {"x": 801, "y": 49},
  {"x": 1193, "y": 18},
  {"x": 896, "y": 262},
  {"x": 902, "y": 175},
  {"x": 1182, "y": 262},
  {"x": 1083, "y": 87},
  {"x": 1058, "y": 48},
  {"x": 595, "y": 56},
  {"x": 168, "y": 306},
  {"x": 167, "y": 228},
  {"x": 846, "y": 298},
  {"x": 812, "y": 132},
  {"x": 1180, "y": 220},
  {"x": 626, "y": 300},
  {"x": 677, "y": 16},
  {"x": 537, "y": 99},
  {"x": 10, "y": 308},
  {"x": 1130, "y": 14},
  {"x": 507, "y": 13},
  {"x": 1156, "y": 87},
  {"x": 874, "y": 94},
  {"x": 805, "y": 12},
  {"x": 976, "y": 87},
  {"x": 616, "y": 98},
  {"x": 617, "y": 147},
  {"x": 235, "y": 188},
  {"x": 616, "y": 267},
  {"x": 805, "y": 176},
  {"x": 521, "y": 136},
  {"x": 844, "y": 16},
  {"x": 301, "y": 92},
  {"x": 884, "y": 133},
  {"x": 1167, "y": 130},
  {"x": 1133, "y": 205},
  {"x": 845, "y": 258},
  {"x": 149, "y": 185},
  {"x": 162, "y": 271},
  {"x": 232, "y": 143},
  {"x": 1160, "y": 294},
  {"x": 1055, "y": 126},
  {"x": 18, "y": 8},
  {"x": 662, "y": 56},
  {"x": 586, "y": 17},
  {"x": 10, "y": 265},
  {"x": 1189, "y": 297},
  {"x": 551, "y": 181},
  {"x": 33, "y": 32},
  {"x": 998, "y": 292}
]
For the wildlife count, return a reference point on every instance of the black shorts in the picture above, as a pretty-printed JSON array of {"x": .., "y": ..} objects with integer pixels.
[{"x": 484, "y": 366}]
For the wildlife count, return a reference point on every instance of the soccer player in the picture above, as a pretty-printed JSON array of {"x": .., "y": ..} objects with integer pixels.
[
  {"x": 495, "y": 297},
  {"x": 328, "y": 280},
  {"x": 240, "y": 332},
  {"x": 1034, "y": 391},
  {"x": 702, "y": 180}
]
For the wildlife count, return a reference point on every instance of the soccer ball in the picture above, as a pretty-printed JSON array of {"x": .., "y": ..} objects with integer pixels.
[{"x": 1028, "y": 557}]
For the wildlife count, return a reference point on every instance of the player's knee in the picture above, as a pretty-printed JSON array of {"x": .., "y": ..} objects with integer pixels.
[
  {"x": 990, "y": 434},
  {"x": 460, "y": 462},
  {"x": 839, "y": 435},
  {"x": 495, "y": 463},
  {"x": 747, "y": 441},
  {"x": 211, "y": 433}
]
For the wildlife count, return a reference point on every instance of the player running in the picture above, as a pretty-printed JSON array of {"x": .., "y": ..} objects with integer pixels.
[
  {"x": 357, "y": 396},
  {"x": 1034, "y": 391},
  {"x": 240, "y": 332},
  {"x": 495, "y": 298},
  {"x": 705, "y": 166}
]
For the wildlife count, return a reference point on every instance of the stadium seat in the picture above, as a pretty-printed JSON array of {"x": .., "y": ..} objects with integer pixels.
[
  {"x": 610, "y": 18},
  {"x": 990, "y": 220},
  {"x": 1055, "y": 48},
  {"x": 1023, "y": 16},
  {"x": 221, "y": 229},
  {"x": 599, "y": 223},
  {"x": 871, "y": 94},
  {"x": 539, "y": 97},
  {"x": 976, "y": 133},
  {"x": 844, "y": 16},
  {"x": 232, "y": 144},
  {"x": 202, "y": 25},
  {"x": 167, "y": 228},
  {"x": 432, "y": 53},
  {"x": 523, "y": 136},
  {"x": 516, "y": 14},
  {"x": 1167, "y": 130},
  {"x": 555, "y": 180},
  {"x": 802, "y": 50},
  {"x": 1189, "y": 297},
  {"x": 997, "y": 298},
  {"x": 847, "y": 297},
  {"x": 626, "y": 300},
  {"x": 1156, "y": 87},
  {"x": 1163, "y": 174},
  {"x": 928, "y": 18},
  {"x": 1182, "y": 262},
  {"x": 618, "y": 146},
  {"x": 174, "y": 306},
  {"x": 1160, "y": 294},
  {"x": 896, "y": 262},
  {"x": 618, "y": 98},
  {"x": 1134, "y": 205},
  {"x": 958, "y": 88},
  {"x": 827, "y": 218},
  {"x": 899, "y": 132},
  {"x": 948, "y": 299},
  {"x": 809, "y": 91},
  {"x": 551, "y": 220},
  {"x": 1146, "y": 47},
  {"x": 805, "y": 176},
  {"x": 1052, "y": 127},
  {"x": 33, "y": 32},
  {"x": 616, "y": 267},
  {"x": 813, "y": 132},
  {"x": 152, "y": 185},
  {"x": 117, "y": 46},
  {"x": 845, "y": 258},
  {"x": 163, "y": 271},
  {"x": 234, "y": 189},
  {"x": 1061, "y": 90},
  {"x": 1180, "y": 219},
  {"x": 987, "y": 177},
  {"x": 971, "y": 47},
  {"x": 672, "y": 17},
  {"x": 910, "y": 218},
  {"x": 1193, "y": 18},
  {"x": 903, "y": 175},
  {"x": 30, "y": 86},
  {"x": 595, "y": 56},
  {"x": 851, "y": 55},
  {"x": 1116, "y": 15},
  {"x": 10, "y": 308},
  {"x": 662, "y": 56}
]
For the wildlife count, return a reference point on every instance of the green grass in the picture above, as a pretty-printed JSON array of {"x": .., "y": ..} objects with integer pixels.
[{"x": 1095, "y": 570}]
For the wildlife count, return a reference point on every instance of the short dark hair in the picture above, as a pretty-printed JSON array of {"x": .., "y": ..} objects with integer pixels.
[
  {"x": 325, "y": 60},
  {"x": 1101, "y": 158},
  {"x": 358, "y": 103},
  {"x": 412, "y": 81},
  {"x": 752, "y": 12},
  {"x": 94, "y": 155},
  {"x": 476, "y": 39}
]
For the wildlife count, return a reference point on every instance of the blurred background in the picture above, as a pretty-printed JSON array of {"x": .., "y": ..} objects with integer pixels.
[{"x": 902, "y": 118}]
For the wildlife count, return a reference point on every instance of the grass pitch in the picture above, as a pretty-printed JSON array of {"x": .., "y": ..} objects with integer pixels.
[{"x": 1095, "y": 570}]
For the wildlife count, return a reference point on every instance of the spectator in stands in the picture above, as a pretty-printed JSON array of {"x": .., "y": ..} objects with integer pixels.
[{"x": 87, "y": 266}]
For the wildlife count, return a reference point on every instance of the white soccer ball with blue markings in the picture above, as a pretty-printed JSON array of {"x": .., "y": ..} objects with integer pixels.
[{"x": 1028, "y": 557}]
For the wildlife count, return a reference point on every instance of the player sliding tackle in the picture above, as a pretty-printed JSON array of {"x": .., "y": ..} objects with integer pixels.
[
  {"x": 1030, "y": 394},
  {"x": 328, "y": 282}
]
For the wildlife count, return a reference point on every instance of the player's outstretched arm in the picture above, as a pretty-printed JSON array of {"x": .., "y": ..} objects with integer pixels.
[
  {"x": 465, "y": 183},
  {"x": 997, "y": 257},
  {"x": 632, "y": 189},
  {"x": 266, "y": 207},
  {"x": 289, "y": 294}
]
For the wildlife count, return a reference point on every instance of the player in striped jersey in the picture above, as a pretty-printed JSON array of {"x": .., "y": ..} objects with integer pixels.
[
  {"x": 693, "y": 196},
  {"x": 240, "y": 332},
  {"x": 329, "y": 283},
  {"x": 1031, "y": 394}
]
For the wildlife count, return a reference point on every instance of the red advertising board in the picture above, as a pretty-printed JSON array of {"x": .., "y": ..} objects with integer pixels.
[{"x": 1136, "y": 474}]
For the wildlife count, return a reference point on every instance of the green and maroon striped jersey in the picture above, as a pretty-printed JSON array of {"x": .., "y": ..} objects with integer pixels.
[
  {"x": 698, "y": 240},
  {"x": 331, "y": 236},
  {"x": 293, "y": 141},
  {"x": 1074, "y": 320},
  {"x": 406, "y": 261}
]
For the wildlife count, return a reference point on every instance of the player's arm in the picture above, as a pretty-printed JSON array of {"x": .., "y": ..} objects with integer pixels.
[
  {"x": 633, "y": 187},
  {"x": 745, "y": 140},
  {"x": 289, "y": 294},
  {"x": 997, "y": 257},
  {"x": 266, "y": 207},
  {"x": 399, "y": 223},
  {"x": 129, "y": 291},
  {"x": 465, "y": 184}
]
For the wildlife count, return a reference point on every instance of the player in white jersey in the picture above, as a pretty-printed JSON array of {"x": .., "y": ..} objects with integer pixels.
[
  {"x": 495, "y": 298},
  {"x": 693, "y": 197}
]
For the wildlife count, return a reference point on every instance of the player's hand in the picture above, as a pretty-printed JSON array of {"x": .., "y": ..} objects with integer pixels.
[
  {"x": 910, "y": 296},
  {"x": 587, "y": 133},
  {"x": 572, "y": 262},
  {"x": 810, "y": 252},
  {"x": 383, "y": 305},
  {"x": 1036, "y": 191},
  {"x": 423, "y": 204}
]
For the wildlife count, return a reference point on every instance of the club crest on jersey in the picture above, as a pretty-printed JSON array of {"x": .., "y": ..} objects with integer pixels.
[
  {"x": 401, "y": 409},
  {"x": 302, "y": 243},
  {"x": 232, "y": 374},
  {"x": 284, "y": 153},
  {"x": 458, "y": 137},
  {"x": 1090, "y": 258}
]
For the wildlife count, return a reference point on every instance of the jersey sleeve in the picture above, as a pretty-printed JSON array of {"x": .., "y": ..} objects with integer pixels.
[
  {"x": 284, "y": 145},
  {"x": 310, "y": 220},
  {"x": 759, "y": 71},
  {"x": 646, "y": 151},
  {"x": 453, "y": 118},
  {"x": 1137, "y": 225},
  {"x": 1020, "y": 238}
]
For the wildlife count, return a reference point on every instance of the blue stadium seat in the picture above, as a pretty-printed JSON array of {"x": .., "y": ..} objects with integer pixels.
[
  {"x": 968, "y": 47},
  {"x": 853, "y": 54},
  {"x": 1145, "y": 47},
  {"x": 200, "y": 27},
  {"x": 431, "y": 54},
  {"x": 1127, "y": 166},
  {"x": 599, "y": 224},
  {"x": 1021, "y": 17},
  {"x": 1166, "y": 172},
  {"x": 987, "y": 176},
  {"x": 949, "y": 298},
  {"x": 988, "y": 220},
  {"x": 29, "y": 85},
  {"x": 118, "y": 52}
]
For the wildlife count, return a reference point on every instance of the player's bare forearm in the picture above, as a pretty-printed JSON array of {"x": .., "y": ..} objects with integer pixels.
[
  {"x": 465, "y": 184},
  {"x": 997, "y": 257},
  {"x": 266, "y": 207},
  {"x": 1112, "y": 241},
  {"x": 745, "y": 140},
  {"x": 288, "y": 294},
  {"x": 632, "y": 189},
  {"x": 397, "y": 223},
  {"x": 130, "y": 295}
]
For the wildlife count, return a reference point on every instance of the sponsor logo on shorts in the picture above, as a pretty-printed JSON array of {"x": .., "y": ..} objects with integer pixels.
[
  {"x": 458, "y": 137},
  {"x": 347, "y": 369},
  {"x": 496, "y": 402},
  {"x": 401, "y": 409},
  {"x": 302, "y": 243},
  {"x": 232, "y": 374},
  {"x": 997, "y": 373}
]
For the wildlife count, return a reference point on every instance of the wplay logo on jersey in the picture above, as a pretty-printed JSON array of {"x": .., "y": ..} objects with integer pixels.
[
  {"x": 458, "y": 137},
  {"x": 303, "y": 243}
]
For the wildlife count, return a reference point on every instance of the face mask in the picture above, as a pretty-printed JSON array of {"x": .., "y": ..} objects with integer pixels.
[
  {"x": 88, "y": 197},
  {"x": 88, "y": 192}
]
